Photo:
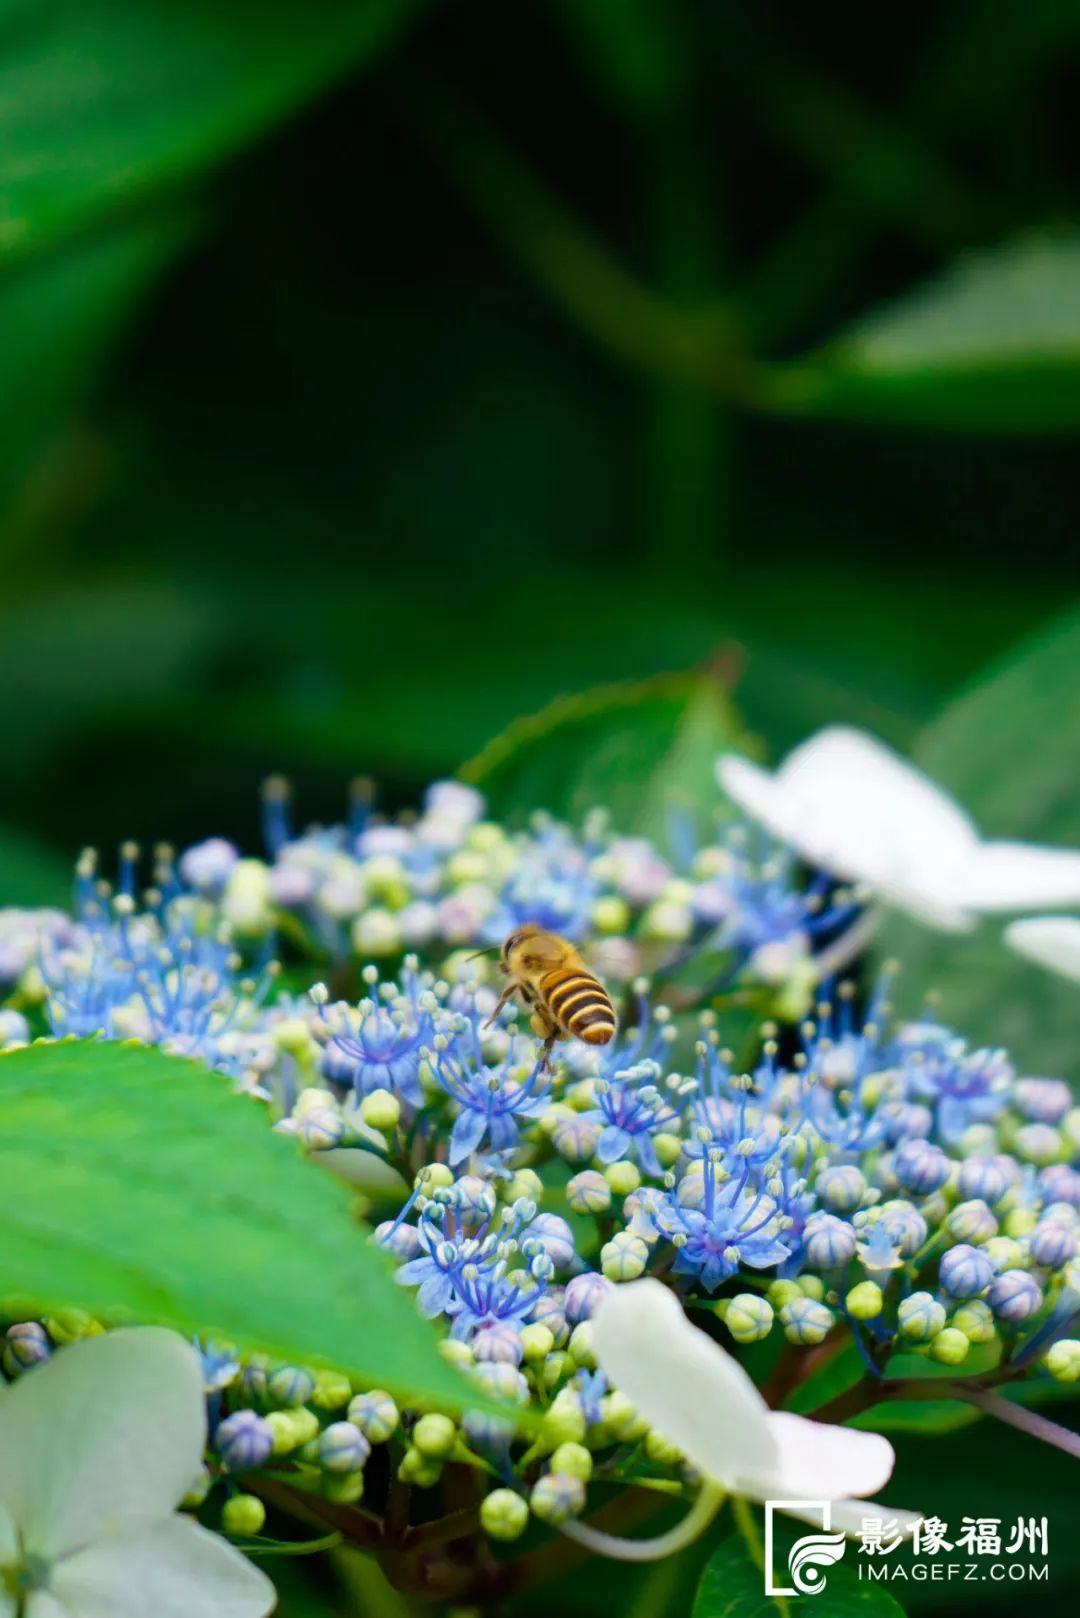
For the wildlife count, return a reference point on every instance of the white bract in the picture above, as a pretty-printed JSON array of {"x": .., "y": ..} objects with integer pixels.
[
  {"x": 1052, "y": 941},
  {"x": 700, "y": 1399},
  {"x": 97, "y": 1448},
  {"x": 850, "y": 806}
]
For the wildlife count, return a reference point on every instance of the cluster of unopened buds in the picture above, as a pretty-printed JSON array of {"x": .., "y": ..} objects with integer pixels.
[{"x": 845, "y": 1184}]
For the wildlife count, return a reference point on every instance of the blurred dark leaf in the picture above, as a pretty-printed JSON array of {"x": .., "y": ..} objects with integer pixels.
[
  {"x": 993, "y": 345},
  {"x": 733, "y": 1586},
  {"x": 643, "y": 750},
  {"x": 139, "y": 1183},
  {"x": 107, "y": 100},
  {"x": 1008, "y": 749},
  {"x": 59, "y": 317}
]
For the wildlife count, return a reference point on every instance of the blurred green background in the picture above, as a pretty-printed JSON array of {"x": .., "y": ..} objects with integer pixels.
[{"x": 375, "y": 372}]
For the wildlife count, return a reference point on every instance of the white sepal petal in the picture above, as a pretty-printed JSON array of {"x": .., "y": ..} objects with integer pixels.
[
  {"x": 169, "y": 1567},
  {"x": 853, "y": 1515},
  {"x": 1052, "y": 941},
  {"x": 819, "y": 1461},
  {"x": 684, "y": 1385},
  {"x": 1022, "y": 876},
  {"x": 111, "y": 1426}
]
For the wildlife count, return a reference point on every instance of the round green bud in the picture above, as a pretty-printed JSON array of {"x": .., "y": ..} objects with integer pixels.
[
  {"x": 574, "y": 1460},
  {"x": 504, "y": 1515},
  {"x": 1004, "y": 1253},
  {"x": 67, "y": 1325},
  {"x": 812, "y": 1286},
  {"x": 557, "y": 1366},
  {"x": 305, "y": 1424},
  {"x": 920, "y": 1317},
  {"x": 976, "y": 1320},
  {"x": 581, "y": 1346},
  {"x": 290, "y": 1386},
  {"x": 243, "y": 1516},
  {"x": 555, "y": 1497},
  {"x": 623, "y": 1178},
  {"x": 747, "y": 1317},
  {"x": 537, "y": 1343},
  {"x": 332, "y": 1391},
  {"x": 667, "y": 1149},
  {"x": 781, "y": 1292},
  {"x": 661, "y": 1450},
  {"x": 455, "y": 1352},
  {"x": 1062, "y": 1360},
  {"x": 418, "y": 1469},
  {"x": 1020, "y": 1222},
  {"x": 621, "y": 1419},
  {"x": 343, "y": 1488},
  {"x": 588, "y": 1192},
  {"x": 434, "y": 1436},
  {"x": 285, "y": 1434},
  {"x": 525, "y": 1183},
  {"x": 380, "y": 1110},
  {"x": 375, "y": 1414},
  {"x": 200, "y": 1488},
  {"x": 865, "y": 1301},
  {"x": 623, "y": 1258},
  {"x": 293, "y": 1035},
  {"x": 561, "y": 1426},
  {"x": 435, "y": 1177},
  {"x": 950, "y": 1347},
  {"x": 611, "y": 915}
]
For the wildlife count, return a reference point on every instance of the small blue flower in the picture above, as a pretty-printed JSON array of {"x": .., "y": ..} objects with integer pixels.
[
  {"x": 631, "y": 1111},
  {"x": 494, "y": 1101},
  {"x": 735, "y": 1225}
]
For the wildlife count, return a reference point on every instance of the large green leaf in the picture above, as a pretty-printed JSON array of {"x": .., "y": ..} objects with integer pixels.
[
  {"x": 1008, "y": 748},
  {"x": 993, "y": 344},
  {"x": 645, "y": 751},
  {"x": 137, "y": 1183},
  {"x": 733, "y": 1586},
  {"x": 107, "y": 100},
  {"x": 31, "y": 873}
]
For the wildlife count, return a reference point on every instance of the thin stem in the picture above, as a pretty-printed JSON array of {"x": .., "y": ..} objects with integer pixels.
[
  {"x": 1028, "y": 1421},
  {"x": 697, "y": 1519}
]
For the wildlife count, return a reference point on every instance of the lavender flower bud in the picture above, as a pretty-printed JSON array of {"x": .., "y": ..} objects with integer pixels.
[
  {"x": 244, "y": 1441},
  {"x": 342, "y": 1447},
  {"x": 971, "y": 1221},
  {"x": 25, "y": 1345},
  {"x": 375, "y": 1414},
  {"x": 966, "y": 1271},
  {"x": 499, "y": 1342},
  {"x": 806, "y": 1322},
  {"x": 841, "y": 1188},
  {"x": 587, "y": 1193},
  {"x": 583, "y": 1295},
  {"x": 829, "y": 1242},
  {"x": 984, "y": 1178},
  {"x": 290, "y": 1386},
  {"x": 1053, "y": 1244},
  {"x": 920, "y": 1167},
  {"x": 557, "y": 1496},
  {"x": 1015, "y": 1296}
]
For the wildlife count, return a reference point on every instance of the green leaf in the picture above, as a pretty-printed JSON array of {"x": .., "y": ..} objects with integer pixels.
[
  {"x": 106, "y": 101},
  {"x": 1007, "y": 748},
  {"x": 733, "y": 1586},
  {"x": 137, "y": 1183},
  {"x": 992, "y": 345},
  {"x": 644, "y": 750}
]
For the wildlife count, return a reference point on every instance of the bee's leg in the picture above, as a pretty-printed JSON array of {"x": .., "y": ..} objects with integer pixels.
[
  {"x": 507, "y": 994},
  {"x": 542, "y": 1024}
]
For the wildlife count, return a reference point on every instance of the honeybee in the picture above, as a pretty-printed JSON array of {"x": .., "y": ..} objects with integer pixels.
[{"x": 566, "y": 1000}]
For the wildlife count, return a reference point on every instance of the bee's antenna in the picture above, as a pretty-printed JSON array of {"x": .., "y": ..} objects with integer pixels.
[{"x": 492, "y": 949}]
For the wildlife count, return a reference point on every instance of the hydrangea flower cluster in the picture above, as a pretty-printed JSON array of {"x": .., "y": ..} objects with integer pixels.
[{"x": 844, "y": 1180}]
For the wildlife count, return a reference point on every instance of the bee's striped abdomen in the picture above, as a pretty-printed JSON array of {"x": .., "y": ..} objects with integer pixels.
[{"x": 579, "y": 1004}]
